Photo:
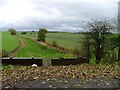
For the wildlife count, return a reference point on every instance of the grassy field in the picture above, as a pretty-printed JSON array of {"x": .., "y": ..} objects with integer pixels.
[
  {"x": 67, "y": 40},
  {"x": 9, "y": 42},
  {"x": 36, "y": 50}
]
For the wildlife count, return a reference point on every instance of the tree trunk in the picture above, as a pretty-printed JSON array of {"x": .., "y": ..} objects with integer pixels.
[
  {"x": 98, "y": 55},
  {"x": 88, "y": 52}
]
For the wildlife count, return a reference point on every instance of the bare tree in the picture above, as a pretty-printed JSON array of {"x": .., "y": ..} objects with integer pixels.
[{"x": 99, "y": 31}]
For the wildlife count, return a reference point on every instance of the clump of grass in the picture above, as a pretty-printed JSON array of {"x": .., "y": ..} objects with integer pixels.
[
  {"x": 76, "y": 51},
  {"x": 54, "y": 44},
  {"x": 6, "y": 67},
  {"x": 3, "y": 53}
]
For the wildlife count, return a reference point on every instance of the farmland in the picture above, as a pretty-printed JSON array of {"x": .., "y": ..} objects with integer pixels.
[
  {"x": 9, "y": 42},
  {"x": 30, "y": 48},
  {"x": 67, "y": 40},
  {"x": 35, "y": 49}
]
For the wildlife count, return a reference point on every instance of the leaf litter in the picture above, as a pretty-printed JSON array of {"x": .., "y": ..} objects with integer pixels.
[{"x": 83, "y": 71}]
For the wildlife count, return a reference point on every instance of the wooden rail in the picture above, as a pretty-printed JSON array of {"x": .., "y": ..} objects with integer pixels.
[
  {"x": 23, "y": 61},
  {"x": 69, "y": 61},
  {"x": 39, "y": 62}
]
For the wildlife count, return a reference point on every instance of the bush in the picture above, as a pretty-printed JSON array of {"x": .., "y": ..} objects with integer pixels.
[
  {"x": 33, "y": 32},
  {"x": 109, "y": 57},
  {"x": 30, "y": 33},
  {"x": 41, "y": 34},
  {"x": 12, "y": 31},
  {"x": 23, "y": 32},
  {"x": 5, "y": 67},
  {"x": 54, "y": 44},
  {"x": 76, "y": 51}
]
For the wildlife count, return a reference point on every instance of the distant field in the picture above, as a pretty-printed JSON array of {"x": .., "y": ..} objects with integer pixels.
[
  {"x": 9, "y": 42},
  {"x": 36, "y": 50},
  {"x": 67, "y": 40}
]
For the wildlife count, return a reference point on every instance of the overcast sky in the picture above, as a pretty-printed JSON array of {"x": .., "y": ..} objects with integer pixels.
[{"x": 61, "y": 15}]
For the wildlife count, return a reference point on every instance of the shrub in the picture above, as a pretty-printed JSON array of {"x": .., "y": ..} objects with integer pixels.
[
  {"x": 54, "y": 44},
  {"x": 76, "y": 51},
  {"x": 41, "y": 34},
  {"x": 23, "y": 32},
  {"x": 30, "y": 33},
  {"x": 33, "y": 32},
  {"x": 5, "y": 67},
  {"x": 12, "y": 31}
]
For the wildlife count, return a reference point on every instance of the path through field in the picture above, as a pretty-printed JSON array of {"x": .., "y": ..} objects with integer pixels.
[
  {"x": 35, "y": 49},
  {"x": 22, "y": 44}
]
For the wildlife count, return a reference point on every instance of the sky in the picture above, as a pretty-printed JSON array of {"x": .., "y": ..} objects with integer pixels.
[{"x": 54, "y": 15}]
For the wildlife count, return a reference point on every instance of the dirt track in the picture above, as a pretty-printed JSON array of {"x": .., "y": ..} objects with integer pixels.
[{"x": 14, "y": 52}]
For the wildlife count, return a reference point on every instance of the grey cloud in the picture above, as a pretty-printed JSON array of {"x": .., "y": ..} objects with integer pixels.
[{"x": 66, "y": 16}]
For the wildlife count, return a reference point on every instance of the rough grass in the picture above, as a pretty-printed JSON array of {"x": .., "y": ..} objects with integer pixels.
[
  {"x": 9, "y": 42},
  {"x": 33, "y": 49}
]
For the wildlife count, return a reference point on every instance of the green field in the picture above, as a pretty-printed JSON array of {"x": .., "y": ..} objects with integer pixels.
[
  {"x": 67, "y": 40},
  {"x": 9, "y": 42},
  {"x": 31, "y": 48},
  {"x": 36, "y": 50}
]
